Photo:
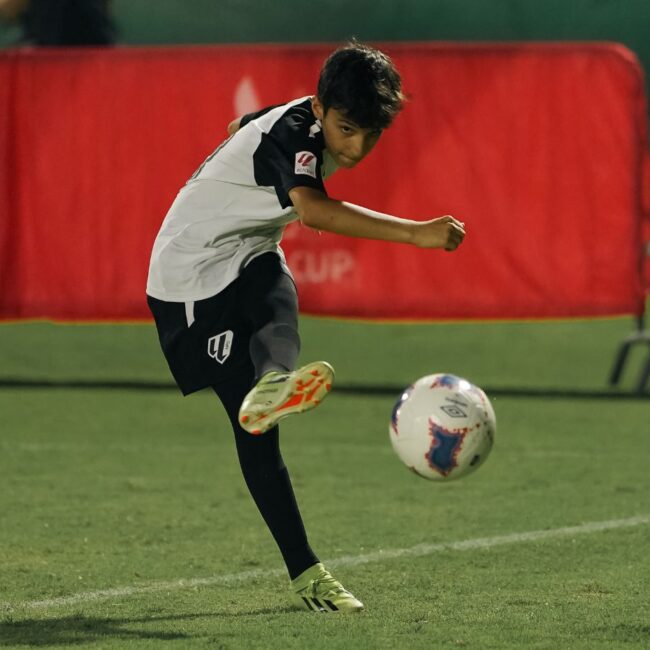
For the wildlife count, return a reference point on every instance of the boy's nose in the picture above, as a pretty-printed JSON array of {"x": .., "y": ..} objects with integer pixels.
[{"x": 357, "y": 148}]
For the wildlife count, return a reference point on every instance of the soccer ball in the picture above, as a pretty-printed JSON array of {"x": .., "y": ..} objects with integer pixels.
[{"x": 442, "y": 427}]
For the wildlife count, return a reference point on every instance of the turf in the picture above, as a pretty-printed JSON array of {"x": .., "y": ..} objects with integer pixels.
[
  {"x": 105, "y": 489},
  {"x": 555, "y": 354}
]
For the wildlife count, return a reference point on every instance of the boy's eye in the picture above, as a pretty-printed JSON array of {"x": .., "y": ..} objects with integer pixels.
[{"x": 346, "y": 129}]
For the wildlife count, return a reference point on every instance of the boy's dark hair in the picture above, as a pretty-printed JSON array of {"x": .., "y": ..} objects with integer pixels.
[{"x": 363, "y": 83}]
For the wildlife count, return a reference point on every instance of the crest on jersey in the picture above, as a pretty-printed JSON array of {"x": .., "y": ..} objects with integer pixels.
[
  {"x": 219, "y": 346},
  {"x": 305, "y": 163}
]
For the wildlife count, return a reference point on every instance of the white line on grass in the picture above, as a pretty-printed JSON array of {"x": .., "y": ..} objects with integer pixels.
[{"x": 419, "y": 550}]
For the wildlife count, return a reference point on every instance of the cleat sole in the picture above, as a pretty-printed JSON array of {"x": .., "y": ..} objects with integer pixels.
[{"x": 306, "y": 390}]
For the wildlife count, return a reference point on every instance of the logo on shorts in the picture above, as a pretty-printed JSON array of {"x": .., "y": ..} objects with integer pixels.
[
  {"x": 219, "y": 346},
  {"x": 305, "y": 163}
]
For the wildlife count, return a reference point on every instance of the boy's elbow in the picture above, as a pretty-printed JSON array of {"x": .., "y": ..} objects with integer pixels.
[{"x": 308, "y": 216}]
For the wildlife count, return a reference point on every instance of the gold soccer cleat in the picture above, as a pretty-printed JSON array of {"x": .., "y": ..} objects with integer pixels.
[{"x": 318, "y": 591}]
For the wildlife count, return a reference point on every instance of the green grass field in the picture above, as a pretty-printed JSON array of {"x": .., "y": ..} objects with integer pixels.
[{"x": 125, "y": 522}]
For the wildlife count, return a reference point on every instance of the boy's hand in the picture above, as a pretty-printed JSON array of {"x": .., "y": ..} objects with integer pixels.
[
  {"x": 444, "y": 232},
  {"x": 233, "y": 127}
]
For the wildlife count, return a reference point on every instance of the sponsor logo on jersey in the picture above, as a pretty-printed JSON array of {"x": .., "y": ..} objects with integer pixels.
[
  {"x": 305, "y": 163},
  {"x": 219, "y": 346}
]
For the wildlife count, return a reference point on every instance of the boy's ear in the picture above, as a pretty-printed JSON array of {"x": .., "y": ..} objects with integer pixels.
[{"x": 317, "y": 108}]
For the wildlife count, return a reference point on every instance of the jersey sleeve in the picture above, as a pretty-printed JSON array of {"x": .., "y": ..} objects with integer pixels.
[
  {"x": 290, "y": 155},
  {"x": 249, "y": 117}
]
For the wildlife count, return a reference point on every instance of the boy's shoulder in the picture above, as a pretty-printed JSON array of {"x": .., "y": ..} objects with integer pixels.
[
  {"x": 292, "y": 119},
  {"x": 287, "y": 147}
]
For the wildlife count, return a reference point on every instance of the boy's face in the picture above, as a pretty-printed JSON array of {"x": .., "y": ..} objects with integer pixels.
[{"x": 346, "y": 141}]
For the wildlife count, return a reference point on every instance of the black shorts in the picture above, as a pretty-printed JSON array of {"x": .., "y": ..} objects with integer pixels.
[{"x": 207, "y": 342}]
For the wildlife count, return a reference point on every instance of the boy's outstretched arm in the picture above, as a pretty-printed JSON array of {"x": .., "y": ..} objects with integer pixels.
[{"x": 318, "y": 211}]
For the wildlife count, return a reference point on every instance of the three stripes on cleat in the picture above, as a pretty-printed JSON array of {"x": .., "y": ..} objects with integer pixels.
[{"x": 315, "y": 605}]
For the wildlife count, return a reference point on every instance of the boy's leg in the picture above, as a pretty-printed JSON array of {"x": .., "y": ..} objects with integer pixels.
[
  {"x": 272, "y": 310},
  {"x": 271, "y": 307},
  {"x": 268, "y": 480}
]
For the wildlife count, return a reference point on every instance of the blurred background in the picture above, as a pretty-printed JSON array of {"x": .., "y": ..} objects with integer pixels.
[
  {"x": 528, "y": 120},
  {"x": 159, "y": 22},
  {"x": 121, "y": 24}
]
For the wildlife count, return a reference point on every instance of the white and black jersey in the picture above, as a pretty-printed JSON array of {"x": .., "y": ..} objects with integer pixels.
[{"x": 236, "y": 205}]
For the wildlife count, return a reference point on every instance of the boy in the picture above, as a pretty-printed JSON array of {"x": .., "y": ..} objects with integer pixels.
[{"x": 224, "y": 301}]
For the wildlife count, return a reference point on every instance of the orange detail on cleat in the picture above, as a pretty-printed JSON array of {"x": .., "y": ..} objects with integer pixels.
[
  {"x": 292, "y": 401},
  {"x": 310, "y": 394},
  {"x": 306, "y": 388}
]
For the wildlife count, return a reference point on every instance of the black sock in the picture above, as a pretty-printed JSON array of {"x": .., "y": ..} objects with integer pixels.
[
  {"x": 268, "y": 480},
  {"x": 274, "y": 347},
  {"x": 274, "y": 343}
]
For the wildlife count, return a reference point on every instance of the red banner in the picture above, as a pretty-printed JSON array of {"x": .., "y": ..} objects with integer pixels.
[{"x": 539, "y": 148}]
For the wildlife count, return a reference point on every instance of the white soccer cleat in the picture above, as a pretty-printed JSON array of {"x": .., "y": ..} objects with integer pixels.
[{"x": 278, "y": 394}]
